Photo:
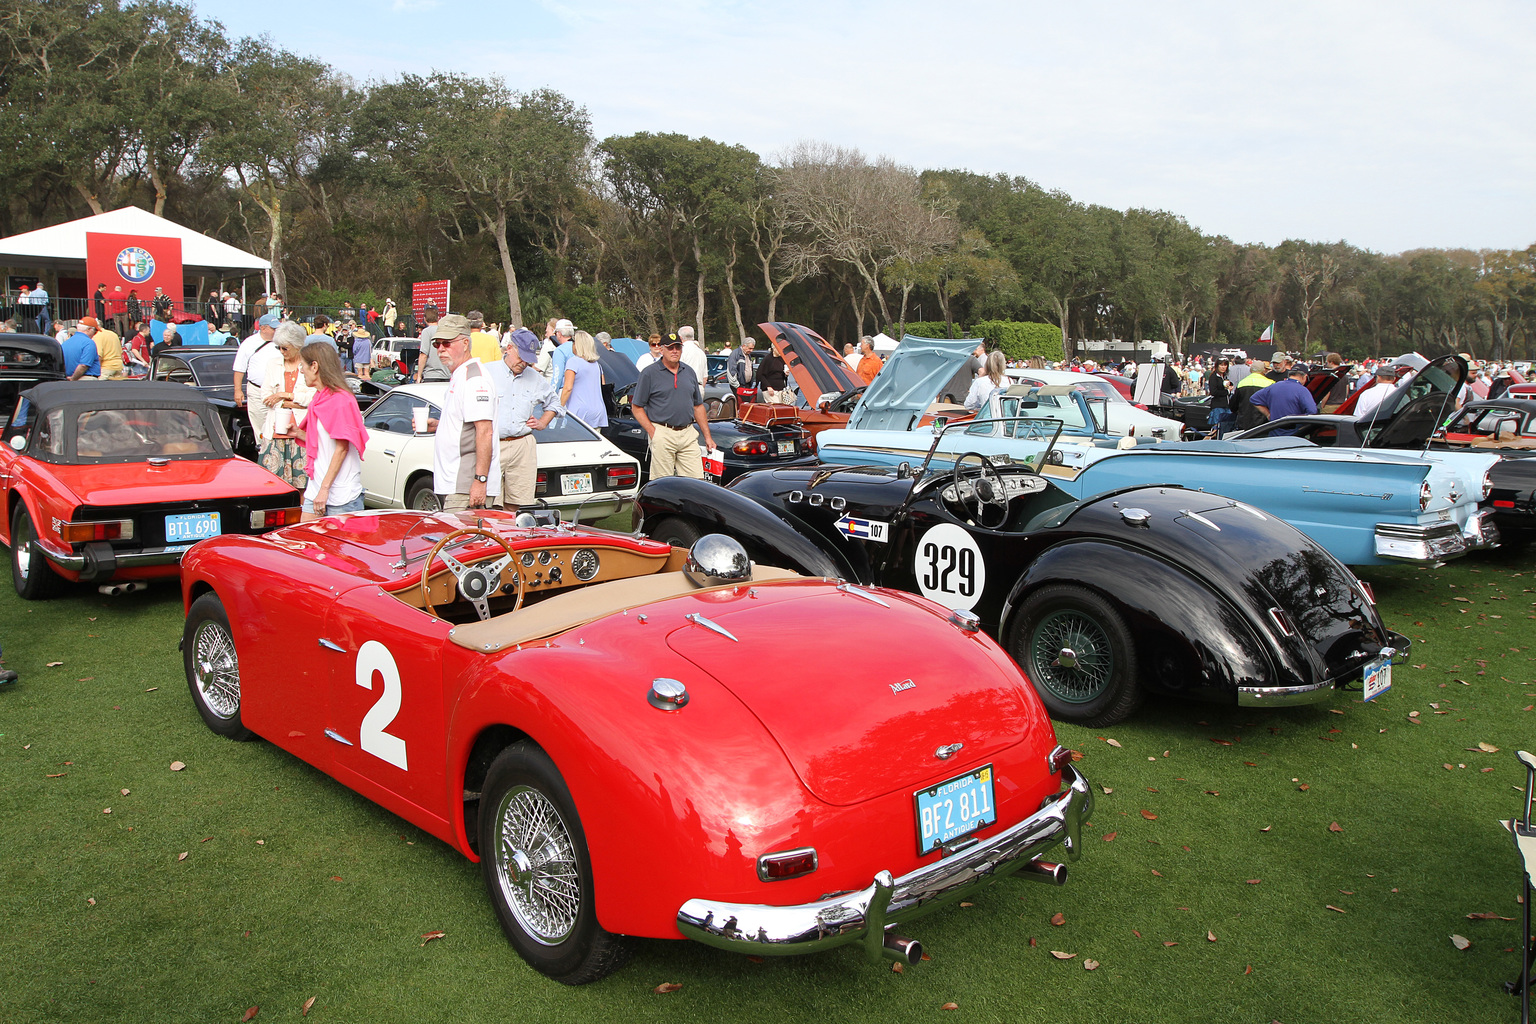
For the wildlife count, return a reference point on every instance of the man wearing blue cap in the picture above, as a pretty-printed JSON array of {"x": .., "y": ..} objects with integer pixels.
[
  {"x": 525, "y": 402},
  {"x": 250, "y": 371}
]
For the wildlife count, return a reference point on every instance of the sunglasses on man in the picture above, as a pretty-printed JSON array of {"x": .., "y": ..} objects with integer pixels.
[{"x": 443, "y": 344}]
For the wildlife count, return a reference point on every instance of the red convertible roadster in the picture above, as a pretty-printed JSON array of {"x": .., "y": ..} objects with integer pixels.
[
  {"x": 111, "y": 482},
  {"x": 623, "y": 733}
]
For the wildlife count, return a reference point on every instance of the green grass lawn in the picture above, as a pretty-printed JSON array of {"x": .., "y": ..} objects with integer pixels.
[{"x": 292, "y": 887}]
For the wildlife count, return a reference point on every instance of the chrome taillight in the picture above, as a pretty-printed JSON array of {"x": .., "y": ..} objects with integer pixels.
[
  {"x": 1282, "y": 621},
  {"x": 1060, "y": 758},
  {"x": 786, "y": 864},
  {"x": 1365, "y": 588},
  {"x": 1487, "y": 485},
  {"x": 541, "y": 483},
  {"x": 1425, "y": 493},
  {"x": 621, "y": 476}
]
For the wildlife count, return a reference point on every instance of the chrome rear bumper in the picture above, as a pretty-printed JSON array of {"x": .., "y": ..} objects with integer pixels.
[
  {"x": 866, "y": 915},
  {"x": 1438, "y": 542},
  {"x": 1316, "y": 693}
]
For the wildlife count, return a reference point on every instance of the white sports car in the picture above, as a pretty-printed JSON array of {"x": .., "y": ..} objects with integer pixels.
[
  {"x": 1116, "y": 416},
  {"x": 578, "y": 467}
]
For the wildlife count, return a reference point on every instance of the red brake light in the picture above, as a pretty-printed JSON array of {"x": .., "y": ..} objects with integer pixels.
[
  {"x": 272, "y": 518},
  {"x": 1060, "y": 758},
  {"x": 621, "y": 476},
  {"x": 84, "y": 533},
  {"x": 1500, "y": 503},
  {"x": 779, "y": 867},
  {"x": 543, "y": 483},
  {"x": 750, "y": 448}
]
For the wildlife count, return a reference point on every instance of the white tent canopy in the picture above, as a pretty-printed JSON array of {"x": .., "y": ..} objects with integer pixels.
[
  {"x": 64, "y": 244},
  {"x": 883, "y": 343}
]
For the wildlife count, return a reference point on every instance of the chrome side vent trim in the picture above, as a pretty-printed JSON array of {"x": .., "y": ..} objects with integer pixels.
[{"x": 1282, "y": 622}]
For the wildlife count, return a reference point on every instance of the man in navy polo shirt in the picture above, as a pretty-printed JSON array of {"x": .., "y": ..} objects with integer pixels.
[{"x": 1288, "y": 397}]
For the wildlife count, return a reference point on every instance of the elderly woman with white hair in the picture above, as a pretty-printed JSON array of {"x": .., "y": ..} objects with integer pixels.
[{"x": 286, "y": 394}]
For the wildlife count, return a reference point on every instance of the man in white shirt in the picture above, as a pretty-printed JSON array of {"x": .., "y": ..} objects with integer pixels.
[
  {"x": 1371, "y": 397},
  {"x": 694, "y": 355},
  {"x": 564, "y": 339},
  {"x": 249, "y": 369},
  {"x": 465, "y": 447}
]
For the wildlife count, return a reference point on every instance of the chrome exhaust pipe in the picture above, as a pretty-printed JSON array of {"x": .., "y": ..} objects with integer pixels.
[
  {"x": 1044, "y": 871},
  {"x": 902, "y": 949},
  {"x": 118, "y": 589},
  {"x": 110, "y": 589}
]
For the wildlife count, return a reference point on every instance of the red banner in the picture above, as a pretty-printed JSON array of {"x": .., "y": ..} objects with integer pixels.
[
  {"x": 423, "y": 292},
  {"x": 133, "y": 263}
]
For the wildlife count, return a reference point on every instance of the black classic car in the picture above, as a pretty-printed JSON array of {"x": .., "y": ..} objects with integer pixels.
[
  {"x": 1420, "y": 415},
  {"x": 1146, "y": 589},
  {"x": 25, "y": 360},
  {"x": 745, "y": 446}
]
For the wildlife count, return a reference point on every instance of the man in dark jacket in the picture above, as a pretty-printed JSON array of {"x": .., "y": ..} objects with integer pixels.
[{"x": 1256, "y": 381}]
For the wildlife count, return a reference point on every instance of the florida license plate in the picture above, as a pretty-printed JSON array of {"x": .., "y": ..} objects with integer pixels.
[
  {"x": 576, "y": 483},
  {"x": 192, "y": 526},
  {"x": 1378, "y": 678},
  {"x": 954, "y": 808},
  {"x": 786, "y": 447}
]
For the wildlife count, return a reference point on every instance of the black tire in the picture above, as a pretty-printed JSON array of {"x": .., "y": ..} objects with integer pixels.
[
  {"x": 31, "y": 574},
  {"x": 1101, "y": 688},
  {"x": 213, "y": 667},
  {"x": 419, "y": 496},
  {"x": 533, "y": 856},
  {"x": 674, "y": 530}
]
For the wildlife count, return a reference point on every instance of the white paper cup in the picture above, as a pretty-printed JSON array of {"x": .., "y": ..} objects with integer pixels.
[
  {"x": 419, "y": 418},
  {"x": 282, "y": 420}
]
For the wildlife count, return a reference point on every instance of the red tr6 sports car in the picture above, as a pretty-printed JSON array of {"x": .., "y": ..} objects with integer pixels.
[
  {"x": 111, "y": 482},
  {"x": 615, "y": 729}
]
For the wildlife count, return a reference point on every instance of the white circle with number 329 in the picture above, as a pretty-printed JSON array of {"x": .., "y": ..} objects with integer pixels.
[{"x": 949, "y": 568}]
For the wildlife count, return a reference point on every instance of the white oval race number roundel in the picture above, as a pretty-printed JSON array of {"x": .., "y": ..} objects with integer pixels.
[{"x": 949, "y": 568}]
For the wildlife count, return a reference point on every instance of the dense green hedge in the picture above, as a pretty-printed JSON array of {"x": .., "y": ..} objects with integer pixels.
[
  {"x": 924, "y": 329},
  {"x": 1020, "y": 340}
]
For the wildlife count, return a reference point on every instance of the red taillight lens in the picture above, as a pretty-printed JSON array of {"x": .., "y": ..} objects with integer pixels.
[
  {"x": 1370, "y": 593},
  {"x": 778, "y": 867},
  {"x": 84, "y": 533},
  {"x": 621, "y": 476},
  {"x": 1500, "y": 503},
  {"x": 1425, "y": 494},
  {"x": 272, "y": 518},
  {"x": 543, "y": 483},
  {"x": 751, "y": 448},
  {"x": 809, "y": 444},
  {"x": 1060, "y": 758}
]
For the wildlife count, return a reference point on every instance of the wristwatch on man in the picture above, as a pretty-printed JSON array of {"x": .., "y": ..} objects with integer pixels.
[{"x": 480, "y": 479}]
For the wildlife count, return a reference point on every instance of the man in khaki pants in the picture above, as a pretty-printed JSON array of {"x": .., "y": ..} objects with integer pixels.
[{"x": 667, "y": 402}]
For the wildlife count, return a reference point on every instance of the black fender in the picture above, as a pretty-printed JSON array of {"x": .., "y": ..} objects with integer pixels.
[
  {"x": 770, "y": 537},
  {"x": 1189, "y": 639}
]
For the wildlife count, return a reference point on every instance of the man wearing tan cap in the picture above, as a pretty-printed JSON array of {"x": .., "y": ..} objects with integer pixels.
[{"x": 465, "y": 447}]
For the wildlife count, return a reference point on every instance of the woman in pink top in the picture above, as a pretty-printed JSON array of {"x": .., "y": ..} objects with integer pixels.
[{"x": 333, "y": 435}]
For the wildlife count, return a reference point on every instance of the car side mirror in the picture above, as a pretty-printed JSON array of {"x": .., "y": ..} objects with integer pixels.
[
  {"x": 1029, "y": 403},
  {"x": 18, "y": 442}
]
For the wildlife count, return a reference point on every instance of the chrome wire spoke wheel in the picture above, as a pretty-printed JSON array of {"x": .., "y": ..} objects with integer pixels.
[
  {"x": 536, "y": 865},
  {"x": 1072, "y": 656},
  {"x": 216, "y": 670},
  {"x": 24, "y": 557}
]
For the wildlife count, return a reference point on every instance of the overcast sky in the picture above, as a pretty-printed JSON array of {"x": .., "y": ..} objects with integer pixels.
[{"x": 1393, "y": 125}]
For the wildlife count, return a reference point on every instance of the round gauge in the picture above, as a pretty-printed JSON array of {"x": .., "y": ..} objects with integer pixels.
[
  {"x": 584, "y": 564},
  {"x": 528, "y": 559},
  {"x": 544, "y": 557}
]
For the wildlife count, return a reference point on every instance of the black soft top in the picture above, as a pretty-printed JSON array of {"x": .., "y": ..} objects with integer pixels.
[{"x": 113, "y": 394}]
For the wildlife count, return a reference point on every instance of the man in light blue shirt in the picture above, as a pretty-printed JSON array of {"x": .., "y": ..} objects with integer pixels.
[
  {"x": 80, "y": 355},
  {"x": 565, "y": 334},
  {"x": 40, "y": 301},
  {"x": 521, "y": 391}
]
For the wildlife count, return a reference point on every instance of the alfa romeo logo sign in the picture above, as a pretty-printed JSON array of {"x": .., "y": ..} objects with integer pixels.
[{"x": 135, "y": 265}]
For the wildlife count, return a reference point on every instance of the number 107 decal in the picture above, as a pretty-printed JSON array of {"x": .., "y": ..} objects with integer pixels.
[{"x": 949, "y": 567}]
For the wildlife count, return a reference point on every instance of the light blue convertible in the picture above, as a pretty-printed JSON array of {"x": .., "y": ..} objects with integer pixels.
[{"x": 1366, "y": 506}]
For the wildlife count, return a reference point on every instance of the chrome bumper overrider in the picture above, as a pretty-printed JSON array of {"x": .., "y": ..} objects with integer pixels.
[
  {"x": 1436, "y": 543},
  {"x": 867, "y": 915},
  {"x": 100, "y": 560}
]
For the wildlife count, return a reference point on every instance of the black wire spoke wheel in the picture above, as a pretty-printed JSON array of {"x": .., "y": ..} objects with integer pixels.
[
  {"x": 1075, "y": 648},
  {"x": 1079, "y": 676}
]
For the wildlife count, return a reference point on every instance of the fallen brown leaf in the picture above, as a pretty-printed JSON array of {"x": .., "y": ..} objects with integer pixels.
[
  {"x": 152, "y": 689},
  {"x": 1303, "y": 787},
  {"x": 1341, "y": 910},
  {"x": 1032, "y": 942},
  {"x": 964, "y": 904},
  {"x": 60, "y": 775},
  {"x": 1158, "y": 873},
  {"x": 755, "y": 959},
  {"x": 1488, "y": 748},
  {"x": 250, "y": 1014},
  {"x": 1225, "y": 743},
  {"x": 665, "y": 987},
  {"x": 1460, "y": 941},
  {"x": 1210, "y": 936},
  {"x": 1090, "y": 965},
  {"x": 1249, "y": 970},
  {"x": 897, "y": 969},
  {"x": 1170, "y": 944},
  {"x": 1106, "y": 790},
  {"x": 90, "y": 901},
  {"x": 177, "y": 766},
  {"x": 1448, "y": 767},
  {"x": 1148, "y": 815},
  {"x": 304, "y": 1010},
  {"x": 1254, "y": 881},
  {"x": 950, "y": 1006},
  {"x": 106, "y": 810},
  {"x": 429, "y": 936},
  {"x": 1058, "y": 919},
  {"x": 1335, "y": 827},
  {"x": 55, "y": 664},
  {"x": 1059, "y": 955},
  {"x": 181, "y": 857},
  {"x": 1111, "y": 837},
  {"x": 1487, "y": 917},
  {"x": 124, "y": 792},
  {"x": 1335, "y": 711},
  {"x": 1113, "y": 743},
  {"x": 1136, "y": 933},
  {"x": 1266, "y": 828}
]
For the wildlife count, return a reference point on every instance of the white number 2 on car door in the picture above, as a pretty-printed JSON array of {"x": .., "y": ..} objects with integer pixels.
[
  {"x": 373, "y": 658},
  {"x": 949, "y": 568}
]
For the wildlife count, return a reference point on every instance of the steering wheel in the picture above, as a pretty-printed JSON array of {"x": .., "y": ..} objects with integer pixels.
[
  {"x": 982, "y": 487},
  {"x": 477, "y": 583}
]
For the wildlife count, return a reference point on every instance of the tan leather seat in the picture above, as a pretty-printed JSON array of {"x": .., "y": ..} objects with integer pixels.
[{"x": 571, "y": 608}]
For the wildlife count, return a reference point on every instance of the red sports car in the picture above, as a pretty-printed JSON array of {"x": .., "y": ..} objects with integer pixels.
[
  {"x": 111, "y": 482},
  {"x": 635, "y": 739}
]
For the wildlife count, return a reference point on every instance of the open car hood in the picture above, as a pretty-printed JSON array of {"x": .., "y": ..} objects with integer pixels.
[
  {"x": 1409, "y": 415},
  {"x": 911, "y": 379},
  {"x": 811, "y": 360}
]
